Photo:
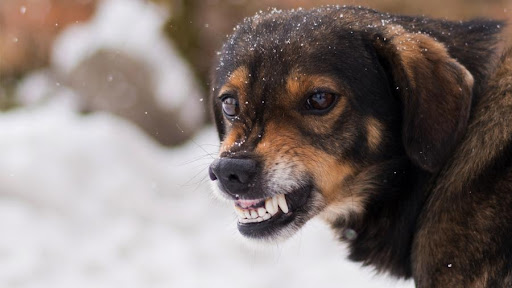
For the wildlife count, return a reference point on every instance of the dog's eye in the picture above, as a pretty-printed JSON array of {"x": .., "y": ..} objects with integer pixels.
[
  {"x": 230, "y": 106},
  {"x": 320, "y": 102}
]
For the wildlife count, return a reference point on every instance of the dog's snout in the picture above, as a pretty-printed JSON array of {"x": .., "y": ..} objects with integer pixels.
[{"x": 235, "y": 175}]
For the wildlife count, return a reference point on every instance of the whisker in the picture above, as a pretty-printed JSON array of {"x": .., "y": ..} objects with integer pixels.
[
  {"x": 192, "y": 140},
  {"x": 199, "y": 158},
  {"x": 189, "y": 182},
  {"x": 201, "y": 181}
]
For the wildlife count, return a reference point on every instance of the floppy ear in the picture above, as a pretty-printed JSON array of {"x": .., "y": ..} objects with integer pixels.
[{"x": 435, "y": 91}]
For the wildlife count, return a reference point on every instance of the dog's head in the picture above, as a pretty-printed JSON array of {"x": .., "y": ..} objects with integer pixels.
[{"x": 310, "y": 104}]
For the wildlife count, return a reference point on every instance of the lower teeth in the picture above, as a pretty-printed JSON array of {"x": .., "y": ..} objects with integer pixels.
[{"x": 254, "y": 220}]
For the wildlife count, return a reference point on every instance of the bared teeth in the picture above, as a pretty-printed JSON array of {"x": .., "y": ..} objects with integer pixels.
[
  {"x": 272, "y": 206},
  {"x": 282, "y": 203},
  {"x": 269, "y": 205},
  {"x": 239, "y": 212}
]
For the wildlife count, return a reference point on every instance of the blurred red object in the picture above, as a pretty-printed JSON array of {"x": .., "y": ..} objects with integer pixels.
[{"x": 28, "y": 28}]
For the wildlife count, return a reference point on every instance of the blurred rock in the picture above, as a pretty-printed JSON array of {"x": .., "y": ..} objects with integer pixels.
[{"x": 115, "y": 82}]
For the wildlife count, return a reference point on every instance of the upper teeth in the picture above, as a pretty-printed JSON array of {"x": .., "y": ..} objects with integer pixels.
[{"x": 260, "y": 214}]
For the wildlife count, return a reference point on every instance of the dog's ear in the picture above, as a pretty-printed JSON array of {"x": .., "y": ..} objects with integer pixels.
[{"x": 435, "y": 91}]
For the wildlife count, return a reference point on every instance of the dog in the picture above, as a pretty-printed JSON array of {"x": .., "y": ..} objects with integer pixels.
[{"x": 396, "y": 130}]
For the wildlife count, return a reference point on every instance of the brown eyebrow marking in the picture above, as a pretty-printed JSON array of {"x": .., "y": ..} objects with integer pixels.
[
  {"x": 300, "y": 84},
  {"x": 373, "y": 133},
  {"x": 237, "y": 81}
]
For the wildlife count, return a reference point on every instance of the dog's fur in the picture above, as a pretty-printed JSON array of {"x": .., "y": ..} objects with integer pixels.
[{"x": 415, "y": 155}]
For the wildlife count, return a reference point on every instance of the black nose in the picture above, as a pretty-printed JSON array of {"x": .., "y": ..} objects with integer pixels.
[{"x": 234, "y": 175}]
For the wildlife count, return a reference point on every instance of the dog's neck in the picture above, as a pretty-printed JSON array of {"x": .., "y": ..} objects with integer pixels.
[{"x": 385, "y": 229}]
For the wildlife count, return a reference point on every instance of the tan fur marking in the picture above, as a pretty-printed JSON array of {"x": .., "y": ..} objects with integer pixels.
[
  {"x": 278, "y": 141},
  {"x": 354, "y": 194},
  {"x": 234, "y": 135},
  {"x": 329, "y": 175},
  {"x": 294, "y": 85},
  {"x": 335, "y": 210},
  {"x": 298, "y": 84},
  {"x": 236, "y": 81},
  {"x": 373, "y": 133}
]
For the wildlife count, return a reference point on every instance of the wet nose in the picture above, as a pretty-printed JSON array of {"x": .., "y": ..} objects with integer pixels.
[{"x": 234, "y": 175}]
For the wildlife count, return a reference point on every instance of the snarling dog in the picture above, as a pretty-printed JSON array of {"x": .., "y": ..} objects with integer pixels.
[{"x": 396, "y": 130}]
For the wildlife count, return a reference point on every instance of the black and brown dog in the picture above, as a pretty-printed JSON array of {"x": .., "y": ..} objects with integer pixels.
[{"x": 396, "y": 130}]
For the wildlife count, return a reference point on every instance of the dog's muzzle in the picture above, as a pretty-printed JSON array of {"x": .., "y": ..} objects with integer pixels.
[{"x": 235, "y": 175}]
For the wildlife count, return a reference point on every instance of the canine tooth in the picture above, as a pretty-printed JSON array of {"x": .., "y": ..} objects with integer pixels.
[
  {"x": 269, "y": 204},
  {"x": 274, "y": 203},
  {"x": 254, "y": 214},
  {"x": 247, "y": 214},
  {"x": 261, "y": 211},
  {"x": 282, "y": 203},
  {"x": 266, "y": 216},
  {"x": 259, "y": 219}
]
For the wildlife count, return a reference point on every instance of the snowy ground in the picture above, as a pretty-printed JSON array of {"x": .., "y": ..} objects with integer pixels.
[{"x": 92, "y": 202}]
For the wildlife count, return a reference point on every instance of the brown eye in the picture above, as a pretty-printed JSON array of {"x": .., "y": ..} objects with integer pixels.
[
  {"x": 320, "y": 102},
  {"x": 230, "y": 106}
]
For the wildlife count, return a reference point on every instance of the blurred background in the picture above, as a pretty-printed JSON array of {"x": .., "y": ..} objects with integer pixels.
[{"x": 105, "y": 141}]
